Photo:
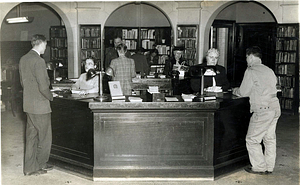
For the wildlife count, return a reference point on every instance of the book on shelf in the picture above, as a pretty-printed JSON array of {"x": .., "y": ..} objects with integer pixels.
[
  {"x": 116, "y": 90},
  {"x": 286, "y": 81},
  {"x": 286, "y": 103},
  {"x": 285, "y": 69},
  {"x": 58, "y": 32},
  {"x": 288, "y": 45},
  {"x": 131, "y": 44},
  {"x": 286, "y": 31},
  {"x": 288, "y": 92},
  {"x": 187, "y": 31},
  {"x": 148, "y": 44},
  {"x": 284, "y": 57},
  {"x": 129, "y": 34},
  {"x": 147, "y": 33},
  {"x": 163, "y": 49}
]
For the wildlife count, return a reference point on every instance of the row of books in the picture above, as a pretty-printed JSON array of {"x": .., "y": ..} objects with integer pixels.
[
  {"x": 284, "y": 57},
  {"x": 131, "y": 44},
  {"x": 189, "y": 43},
  {"x": 187, "y": 32},
  {"x": 162, "y": 59},
  {"x": 286, "y": 81},
  {"x": 285, "y": 69},
  {"x": 286, "y": 103},
  {"x": 59, "y": 42},
  {"x": 287, "y": 92},
  {"x": 148, "y": 44},
  {"x": 90, "y": 32},
  {"x": 147, "y": 33},
  {"x": 90, "y": 53},
  {"x": 58, "y": 32},
  {"x": 288, "y": 45},
  {"x": 59, "y": 53},
  {"x": 163, "y": 49},
  {"x": 189, "y": 54},
  {"x": 90, "y": 43},
  {"x": 286, "y": 31},
  {"x": 129, "y": 34}
]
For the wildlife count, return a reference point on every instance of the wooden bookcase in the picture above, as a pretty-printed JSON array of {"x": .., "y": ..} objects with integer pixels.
[
  {"x": 287, "y": 66},
  {"x": 90, "y": 44},
  {"x": 187, "y": 36},
  {"x": 137, "y": 37},
  {"x": 59, "y": 48}
]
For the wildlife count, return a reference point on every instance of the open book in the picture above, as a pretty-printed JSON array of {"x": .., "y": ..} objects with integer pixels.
[{"x": 116, "y": 90}]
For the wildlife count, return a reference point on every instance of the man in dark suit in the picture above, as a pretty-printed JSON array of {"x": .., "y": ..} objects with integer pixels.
[
  {"x": 140, "y": 61},
  {"x": 36, "y": 103},
  {"x": 111, "y": 52}
]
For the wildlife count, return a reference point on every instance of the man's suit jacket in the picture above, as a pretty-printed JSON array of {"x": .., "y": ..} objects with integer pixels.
[
  {"x": 111, "y": 53},
  {"x": 35, "y": 81}
]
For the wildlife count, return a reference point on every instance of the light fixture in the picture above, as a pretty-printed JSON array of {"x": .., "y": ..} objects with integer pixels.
[{"x": 19, "y": 18}]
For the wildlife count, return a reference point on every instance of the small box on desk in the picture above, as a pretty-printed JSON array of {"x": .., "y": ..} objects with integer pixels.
[{"x": 156, "y": 97}]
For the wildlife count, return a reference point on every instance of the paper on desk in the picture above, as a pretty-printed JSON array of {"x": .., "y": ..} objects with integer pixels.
[
  {"x": 188, "y": 97},
  {"x": 75, "y": 91},
  {"x": 171, "y": 98},
  {"x": 153, "y": 89}
]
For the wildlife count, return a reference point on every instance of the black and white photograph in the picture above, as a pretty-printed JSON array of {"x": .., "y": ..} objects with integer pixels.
[{"x": 150, "y": 92}]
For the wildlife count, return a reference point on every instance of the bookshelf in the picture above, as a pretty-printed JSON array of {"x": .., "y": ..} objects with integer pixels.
[
  {"x": 59, "y": 48},
  {"x": 287, "y": 66},
  {"x": 137, "y": 37},
  {"x": 187, "y": 36},
  {"x": 90, "y": 44}
]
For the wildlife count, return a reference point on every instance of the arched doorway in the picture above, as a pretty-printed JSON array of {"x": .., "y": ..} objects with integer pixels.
[
  {"x": 238, "y": 26},
  {"x": 16, "y": 43},
  {"x": 140, "y": 25}
]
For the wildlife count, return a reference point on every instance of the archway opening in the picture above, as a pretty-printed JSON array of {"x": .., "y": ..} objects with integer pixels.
[
  {"x": 238, "y": 26},
  {"x": 16, "y": 38}
]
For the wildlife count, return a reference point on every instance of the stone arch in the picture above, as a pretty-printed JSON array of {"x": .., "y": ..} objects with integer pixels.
[
  {"x": 145, "y": 3},
  {"x": 211, "y": 19},
  {"x": 67, "y": 23}
]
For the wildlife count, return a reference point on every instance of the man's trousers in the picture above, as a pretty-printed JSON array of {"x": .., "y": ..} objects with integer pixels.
[
  {"x": 38, "y": 141},
  {"x": 262, "y": 127}
]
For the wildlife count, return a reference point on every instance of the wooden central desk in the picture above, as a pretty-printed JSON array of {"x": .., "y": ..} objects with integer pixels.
[{"x": 155, "y": 140}]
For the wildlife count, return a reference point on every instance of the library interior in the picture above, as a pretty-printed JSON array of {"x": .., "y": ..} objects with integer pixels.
[{"x": 181, "y": 120}]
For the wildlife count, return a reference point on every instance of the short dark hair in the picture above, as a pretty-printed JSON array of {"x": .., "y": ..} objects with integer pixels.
[
  {"x": 37, "y": 39},
  {"x": 254, "y": 50},
  {"x": 122, "y": 47}
]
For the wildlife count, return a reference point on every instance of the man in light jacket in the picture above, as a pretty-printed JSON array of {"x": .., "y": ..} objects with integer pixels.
[{"x": 259, "y": 84}]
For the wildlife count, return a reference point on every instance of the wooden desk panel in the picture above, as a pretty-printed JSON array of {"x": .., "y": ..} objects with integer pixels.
[
  {"x": 150, "y": 139},
  {"x": 144, "y": 141}
]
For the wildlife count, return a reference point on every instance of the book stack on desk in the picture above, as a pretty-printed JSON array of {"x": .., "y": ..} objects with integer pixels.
[
  {"x": 116, "y": 91},
  {"x": 118, "y": 98},
  {"x": 135, "y": 99}
]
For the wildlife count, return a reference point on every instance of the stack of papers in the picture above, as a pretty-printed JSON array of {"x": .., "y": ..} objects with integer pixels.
[
  {"x": 118, "y": 98},
  {"x": 188, "y": 97},
  {"x": 171, "y": 99},
  {"x": 135, "y": 99},
  {"x": 116, "y": 91}
]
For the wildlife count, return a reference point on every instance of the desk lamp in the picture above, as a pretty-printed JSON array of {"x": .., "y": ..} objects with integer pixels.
[
  {"x": 110, "y": 72},
  {"x": 199, "y": 71},
  {"x": 51, "y": 66}
]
